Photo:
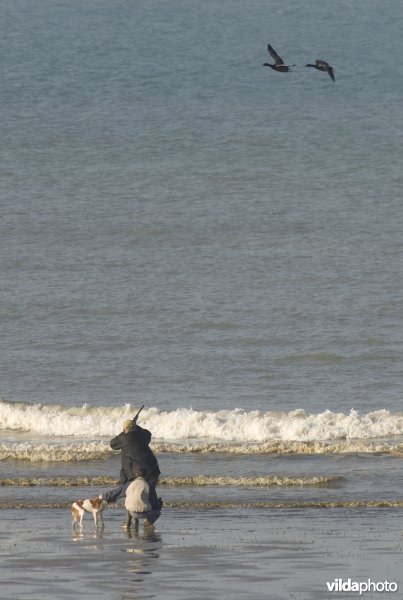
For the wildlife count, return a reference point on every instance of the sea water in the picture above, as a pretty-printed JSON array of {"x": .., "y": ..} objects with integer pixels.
[{"x": 187, "y": 229}]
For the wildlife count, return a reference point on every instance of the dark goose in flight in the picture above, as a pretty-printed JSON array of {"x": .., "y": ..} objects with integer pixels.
[
  {"x": 322, "y": 65},
  {"x": 278, "y": 62}
]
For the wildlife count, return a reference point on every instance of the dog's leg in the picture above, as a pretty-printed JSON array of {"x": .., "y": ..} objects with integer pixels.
[{"x": 77, "y": 514}]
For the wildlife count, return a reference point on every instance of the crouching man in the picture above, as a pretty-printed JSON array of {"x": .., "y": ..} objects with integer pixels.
[
  {"x": 140, "y": 503},
  {"x": 140, "y": 499}
]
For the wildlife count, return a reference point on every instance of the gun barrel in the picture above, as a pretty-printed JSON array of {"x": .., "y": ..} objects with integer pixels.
[{"x": 137, "y": 415}]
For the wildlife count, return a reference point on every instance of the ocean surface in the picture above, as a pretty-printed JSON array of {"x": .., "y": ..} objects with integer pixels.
[{"x": 186, "y": 229}]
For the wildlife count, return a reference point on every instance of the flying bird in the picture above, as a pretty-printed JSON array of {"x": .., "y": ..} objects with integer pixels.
[
  {"x": 278, "y": 62},
  {"x": 322, "y": 65}
]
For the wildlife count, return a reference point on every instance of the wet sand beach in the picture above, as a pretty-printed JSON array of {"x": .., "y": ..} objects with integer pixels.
[{"x": 207, "y": 554}]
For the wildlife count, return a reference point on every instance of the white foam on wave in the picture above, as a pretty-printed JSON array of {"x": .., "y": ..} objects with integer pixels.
[
  {"x": 183, "y": 424},
  {"x": 61, "y": 421},
  {"x": 54, "y": 452},
  {"x": 77, "y": 451}
]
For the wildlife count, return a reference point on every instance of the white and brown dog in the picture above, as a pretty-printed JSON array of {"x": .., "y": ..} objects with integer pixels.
[{"x": 91, "y": 505}]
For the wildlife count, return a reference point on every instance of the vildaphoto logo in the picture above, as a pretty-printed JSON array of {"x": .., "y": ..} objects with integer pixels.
[{"x": 349, "y": 585}]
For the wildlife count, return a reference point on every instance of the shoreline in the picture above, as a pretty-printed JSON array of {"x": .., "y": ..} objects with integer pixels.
[{"x": 202, "y": 554}]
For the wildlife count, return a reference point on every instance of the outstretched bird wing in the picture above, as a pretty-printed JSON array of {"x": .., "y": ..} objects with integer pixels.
[
  {"x": 330, "y": 71},
  {"x": 322, "y": 64},
  {"x": 277, "y": 59}
]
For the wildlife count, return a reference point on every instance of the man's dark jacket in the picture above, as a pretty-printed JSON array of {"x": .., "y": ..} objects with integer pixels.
[{"x": 136, "y": 452}]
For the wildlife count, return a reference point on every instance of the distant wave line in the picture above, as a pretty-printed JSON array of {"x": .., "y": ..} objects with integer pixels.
[
  {"x": 75, "y": 451},
  {"x": 285, "y": 447},
  {"x": 216, "y": 505},
  {"x": 195, "y": 481}
]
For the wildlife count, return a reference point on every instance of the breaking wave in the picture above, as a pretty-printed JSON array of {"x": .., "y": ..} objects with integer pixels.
[
  {"x": 61, "y": 433},
  {"x": 58, "y": 420}
]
